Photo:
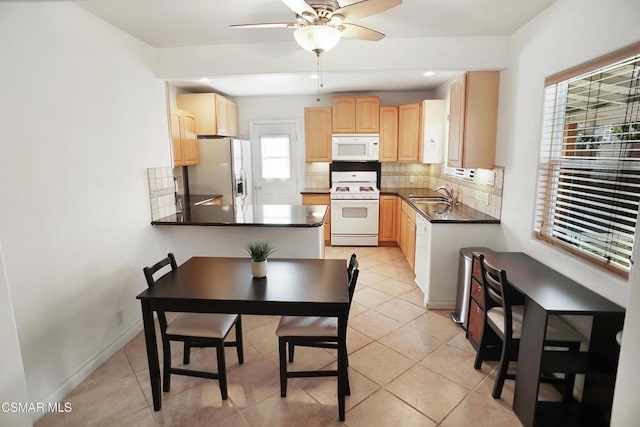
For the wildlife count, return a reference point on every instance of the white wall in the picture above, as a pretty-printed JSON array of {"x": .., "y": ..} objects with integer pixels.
[
  {"x": 568, "y": 33},
  {"x": 13, "y": 387},
  {"x": 83, "y": 117}
]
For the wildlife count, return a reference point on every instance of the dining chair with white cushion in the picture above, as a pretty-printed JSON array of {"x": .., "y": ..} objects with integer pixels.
[
  {"x": 195, "y": 330},
  {"x": 311, "y": 331}
]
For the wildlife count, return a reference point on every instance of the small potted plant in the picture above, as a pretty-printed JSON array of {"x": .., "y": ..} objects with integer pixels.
[{"x": 259, "y": 251}]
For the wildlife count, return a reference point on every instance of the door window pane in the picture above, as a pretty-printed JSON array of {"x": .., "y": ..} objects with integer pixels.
[{"x": 276, "y": 157}]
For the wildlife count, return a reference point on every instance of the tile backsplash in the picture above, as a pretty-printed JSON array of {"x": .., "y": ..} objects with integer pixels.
[
  {"x": 476, "y": 193},
  {"x": 316, "y": 175},
  {"x": 405, "y": 175},
  {"x": 162, "y": 189}
]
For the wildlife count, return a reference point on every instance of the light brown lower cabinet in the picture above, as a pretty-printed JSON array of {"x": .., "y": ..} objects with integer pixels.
[
  {"x": 397, "y": 224},
  {"x": 407, "y": 241},
  {"x": 321, "y": 199},
  {"x": 388, "y": 222}
]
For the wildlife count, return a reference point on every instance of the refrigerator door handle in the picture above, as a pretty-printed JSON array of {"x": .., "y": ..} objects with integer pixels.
[{"x": 243, "y": 173}]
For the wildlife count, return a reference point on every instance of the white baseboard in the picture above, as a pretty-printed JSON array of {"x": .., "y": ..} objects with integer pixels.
[
  {"x": 89, "y": 366},
  {"x": 440, "y": 305}
]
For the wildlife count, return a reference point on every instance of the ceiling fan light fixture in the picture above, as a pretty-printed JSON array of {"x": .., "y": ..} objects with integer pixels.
[
  {"x": 336, "y": 19},
  {"x": 317, "y": 38}
]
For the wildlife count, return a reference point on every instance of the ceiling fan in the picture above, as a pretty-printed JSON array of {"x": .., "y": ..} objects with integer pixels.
[{"x": 320, "y": 24}]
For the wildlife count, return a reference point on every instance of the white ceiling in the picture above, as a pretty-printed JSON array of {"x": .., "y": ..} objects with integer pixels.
[{"x": 172, "y": 24}]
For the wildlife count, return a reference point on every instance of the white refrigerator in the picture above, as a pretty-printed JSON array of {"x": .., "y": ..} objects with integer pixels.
[{"x": 224, "y": 168}]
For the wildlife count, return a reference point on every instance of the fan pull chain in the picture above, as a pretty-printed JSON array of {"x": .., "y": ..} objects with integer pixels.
[{"x": 319, "y": 75}]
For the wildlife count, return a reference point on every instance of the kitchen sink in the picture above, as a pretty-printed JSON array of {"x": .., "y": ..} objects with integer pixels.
[
  {"x": 429, "y": 200},
  {"x": 438, "y": 207}
]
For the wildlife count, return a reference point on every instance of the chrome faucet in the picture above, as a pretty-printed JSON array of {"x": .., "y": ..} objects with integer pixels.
[{"x": 448, "y": 191}]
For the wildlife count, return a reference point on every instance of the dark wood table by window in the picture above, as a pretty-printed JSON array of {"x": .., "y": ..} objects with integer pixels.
[
  {"x": 548, "y": 292},
  {"x": 310, "y": 287}
]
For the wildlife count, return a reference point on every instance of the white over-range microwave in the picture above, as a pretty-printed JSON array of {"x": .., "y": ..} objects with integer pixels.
[{"x": 355, "y": 147}]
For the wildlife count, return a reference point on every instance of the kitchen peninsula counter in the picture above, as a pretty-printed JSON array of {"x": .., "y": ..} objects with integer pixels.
[
  {"x": 248, "y": 215},
  {"x": 296, "y": 231}
]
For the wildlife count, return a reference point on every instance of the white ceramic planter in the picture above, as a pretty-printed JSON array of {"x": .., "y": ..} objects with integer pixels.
[{"x": 259, "y": 269}]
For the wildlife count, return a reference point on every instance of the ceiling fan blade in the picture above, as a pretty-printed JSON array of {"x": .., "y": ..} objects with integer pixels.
[
  {"x": 353, "y": 31},
  {"x": 267, "y": 25},
  {"x": 301, "y": 8},
  {"x": 365, "y": 8}
]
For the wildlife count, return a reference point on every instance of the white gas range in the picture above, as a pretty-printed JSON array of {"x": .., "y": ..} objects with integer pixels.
[{"x": 355, "y": 201}]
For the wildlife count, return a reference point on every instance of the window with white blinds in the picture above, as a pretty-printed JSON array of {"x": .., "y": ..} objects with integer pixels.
[{"x": 589, "y": 169}]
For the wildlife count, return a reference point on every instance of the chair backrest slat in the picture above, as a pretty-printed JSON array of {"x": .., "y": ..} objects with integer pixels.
[{"x": 150, "y": 271}]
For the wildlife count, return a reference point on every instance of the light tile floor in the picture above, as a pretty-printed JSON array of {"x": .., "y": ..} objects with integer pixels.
[{"x": 409, "y": 366}]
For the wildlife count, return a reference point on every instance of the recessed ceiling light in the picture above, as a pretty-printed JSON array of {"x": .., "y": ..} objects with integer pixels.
[
  {"x": 428, "y": 73},
  {"x": 204, "y": 79}
]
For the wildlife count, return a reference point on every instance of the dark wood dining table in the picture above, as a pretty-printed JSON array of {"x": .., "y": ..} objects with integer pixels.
[
  {"x": 294, "y": 287},
  {"x": 546, "y": 293}
]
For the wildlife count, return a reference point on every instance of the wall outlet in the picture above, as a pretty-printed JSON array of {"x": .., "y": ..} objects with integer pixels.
[
  {"x": 412, "y": 179},
  {"x": 119, "y": 317}
]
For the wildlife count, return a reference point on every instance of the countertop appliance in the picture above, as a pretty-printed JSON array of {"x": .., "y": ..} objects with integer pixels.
[
  {"x": 355, "y": 200},
  {"x": 224, "y": 168},
  {"x": 355, "y": 147}
]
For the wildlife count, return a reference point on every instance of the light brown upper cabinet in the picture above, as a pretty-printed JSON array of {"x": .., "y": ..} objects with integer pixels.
[
  {"x": 389, "y": 133},
  {"x": 356, "y": 114},
  {"x": 183, "y": 138},
  {"x": 317, "y": 134},
  {"x": 473, "y": 118},
  {"x": 409, "y": 132},
  {"x": 232, "y": 118},
  {"x": 215, "y": 114}
]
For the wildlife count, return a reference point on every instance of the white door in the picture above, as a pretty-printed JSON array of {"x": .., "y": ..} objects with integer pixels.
[{"x": 275, "y": 160}]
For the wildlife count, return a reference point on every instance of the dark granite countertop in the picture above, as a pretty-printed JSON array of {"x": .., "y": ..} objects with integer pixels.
[
  {"x": 440, "y": 212},
  {"x": 248, "y": 215},
  {"x": 315, "y": 191}
]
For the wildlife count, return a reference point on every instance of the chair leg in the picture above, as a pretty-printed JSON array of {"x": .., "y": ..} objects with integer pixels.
[
  {"x": 166, "y": 372},
  {"x": 222, "y": 369},
  {"x": 186, "y": 355},
  {"x": 477, "y": 364},
  {"x": 348, "y": 389},
  {"x": 503, "y": 367},
  {"x": 239, "y": 345},
  {"x": 291, "y": 350},
  {"x": 570, "y": 379},
  {"x": 282, "y": 350}
]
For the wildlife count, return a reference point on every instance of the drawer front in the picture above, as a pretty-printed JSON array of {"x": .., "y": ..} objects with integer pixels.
[
  {"x": 474, "y": 329},
  {"x": 476, "y": 292}
]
